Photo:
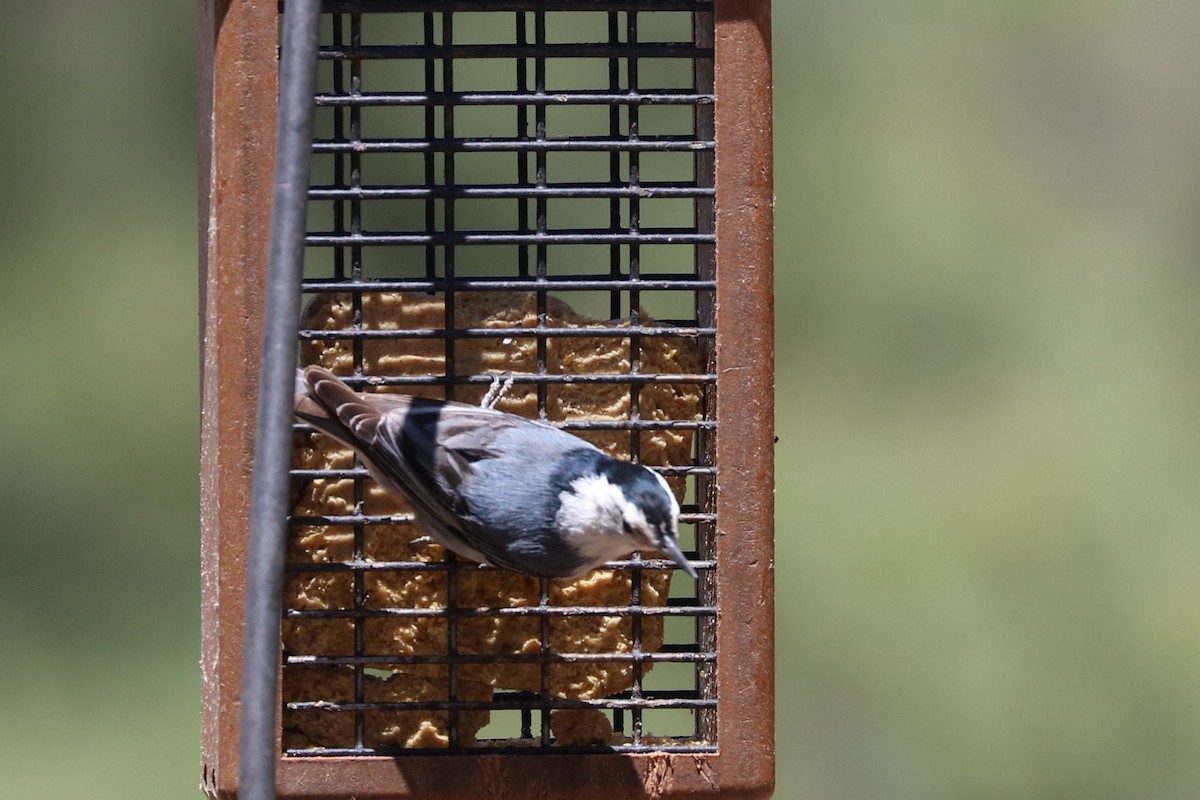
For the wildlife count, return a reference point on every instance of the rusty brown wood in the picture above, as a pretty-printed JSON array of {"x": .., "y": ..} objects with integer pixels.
[
  {"x": 236, "y": 121},
  {"x": 237, "y": 96},
  {"x": 745, "y": 391}
]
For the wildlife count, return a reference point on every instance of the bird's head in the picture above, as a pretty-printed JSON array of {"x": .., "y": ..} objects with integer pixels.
[{"x": 619, "y": 508}]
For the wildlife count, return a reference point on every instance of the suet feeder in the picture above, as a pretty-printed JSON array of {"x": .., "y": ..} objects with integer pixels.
[{"x": 574, "y": 194}]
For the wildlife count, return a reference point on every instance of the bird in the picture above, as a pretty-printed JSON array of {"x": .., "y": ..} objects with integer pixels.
[{"x": 494, "y": 487}]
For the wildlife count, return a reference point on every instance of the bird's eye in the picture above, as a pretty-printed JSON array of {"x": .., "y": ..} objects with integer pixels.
[{"x": 628, "y": 527}]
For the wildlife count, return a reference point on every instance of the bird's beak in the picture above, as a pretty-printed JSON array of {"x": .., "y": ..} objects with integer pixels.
[{"x": 671, "y": 548}]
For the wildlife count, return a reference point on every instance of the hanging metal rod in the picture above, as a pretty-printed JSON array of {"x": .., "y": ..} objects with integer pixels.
[{"x": 259, "y": 748}]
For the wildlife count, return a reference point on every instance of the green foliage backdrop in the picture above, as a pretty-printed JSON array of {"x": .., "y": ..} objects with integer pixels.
[{"x": 989, "y": 381}]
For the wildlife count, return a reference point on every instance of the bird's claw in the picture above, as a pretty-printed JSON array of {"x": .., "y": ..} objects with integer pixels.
[{"x": 496, "y": 391}]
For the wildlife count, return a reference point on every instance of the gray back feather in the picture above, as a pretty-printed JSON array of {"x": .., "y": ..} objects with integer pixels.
[{"x": 464, "y": 469}]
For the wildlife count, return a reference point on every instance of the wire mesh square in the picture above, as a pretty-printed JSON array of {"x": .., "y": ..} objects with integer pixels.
[{"x": 504, "y": 187}]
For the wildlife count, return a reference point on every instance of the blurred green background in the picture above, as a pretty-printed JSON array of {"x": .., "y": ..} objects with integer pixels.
[{"x": 988, "y": 392}]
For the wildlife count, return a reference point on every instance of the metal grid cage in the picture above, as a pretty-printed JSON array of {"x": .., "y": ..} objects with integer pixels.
[
  {"x": 551, "y": 155},
  {"x": 561, "y": 156}
]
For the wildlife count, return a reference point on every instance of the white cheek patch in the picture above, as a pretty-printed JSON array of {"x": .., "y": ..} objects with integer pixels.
[{"x": 592, "y": 515}]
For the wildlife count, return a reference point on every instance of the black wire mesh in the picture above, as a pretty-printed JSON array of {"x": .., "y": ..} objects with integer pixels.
[{"x": 555, "y": 152}]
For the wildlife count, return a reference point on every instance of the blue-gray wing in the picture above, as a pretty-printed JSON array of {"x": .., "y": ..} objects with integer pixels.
[
  {"x": 486, "y": 473},
  {"x": 463, "y": 469}
]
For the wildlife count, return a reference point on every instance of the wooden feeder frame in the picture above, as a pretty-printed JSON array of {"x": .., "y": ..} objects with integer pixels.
[{"x": 238, "y": 87}]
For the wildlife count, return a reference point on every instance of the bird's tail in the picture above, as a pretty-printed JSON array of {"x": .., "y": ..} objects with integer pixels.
[{"x": 332, "y": 407}]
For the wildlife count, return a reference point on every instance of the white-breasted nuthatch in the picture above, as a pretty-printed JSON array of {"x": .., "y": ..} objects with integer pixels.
[{"x": 498, "y": 488}]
